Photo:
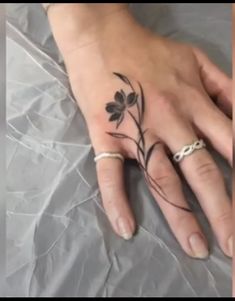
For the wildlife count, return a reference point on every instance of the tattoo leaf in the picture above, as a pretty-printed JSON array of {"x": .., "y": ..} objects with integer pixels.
[
  {"x": 144, "y": 132},
  {"x": 118, "y": 135},
  {"x": 123, "y": 136},
  {"x": 123, "y": 78},
  {"x": 149, "y": 153},
  {"x": 142, "y": 139},
  {"x": 120, "y": 121},
  {"x": 142, "y": 102}
]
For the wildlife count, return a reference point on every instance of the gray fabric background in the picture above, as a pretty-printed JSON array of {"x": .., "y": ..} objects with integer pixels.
[{"x": 59, "y": 242}]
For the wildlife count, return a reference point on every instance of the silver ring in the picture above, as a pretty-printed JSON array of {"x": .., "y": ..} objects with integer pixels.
[
  {"x": 188, "y": 149},
  {"x": 109, "y": 155}
]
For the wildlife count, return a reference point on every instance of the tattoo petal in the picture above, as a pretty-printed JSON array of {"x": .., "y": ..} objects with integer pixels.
[
  {"x": 115, "y": 116},
  {"x": 131, "y": 99},
  {"x": 123, "y": 93},
  {"x": 119, "y": 97},
  {"x": 110, "y": 107}
]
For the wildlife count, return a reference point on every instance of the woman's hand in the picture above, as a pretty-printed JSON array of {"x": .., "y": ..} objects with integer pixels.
[{"x": 145, "y": 97}]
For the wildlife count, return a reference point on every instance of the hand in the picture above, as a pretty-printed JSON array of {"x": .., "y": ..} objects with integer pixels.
[{"x": 116, "y": 69}]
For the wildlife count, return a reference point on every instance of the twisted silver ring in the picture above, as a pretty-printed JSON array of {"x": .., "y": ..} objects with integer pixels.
[
  {"x": 109, "y": 155},
  {"x": 188, "y": 149}
]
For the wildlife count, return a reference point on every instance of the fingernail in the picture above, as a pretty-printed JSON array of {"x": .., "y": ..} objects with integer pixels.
[
  {"x": 230, "y": 245},
  {"x": 124, "y": 228},
  {"x": 198, "y": 246}
]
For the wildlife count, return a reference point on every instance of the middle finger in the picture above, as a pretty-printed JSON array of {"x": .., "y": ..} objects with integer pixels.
[{"x": 204, "y": 178}]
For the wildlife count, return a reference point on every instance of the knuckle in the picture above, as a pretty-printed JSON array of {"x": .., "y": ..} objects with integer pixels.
[
  {"x": 198, "y": 51},
  {"x": 176, "y": 80},
  {"x": 96, "y": 121},
  {"x": 164, "y": 97},
  {"x": 165, "y": 103},
  {"x": 166, "y": 180},
  {"x": 183, "y": 221},
  {"x": 207, "y": 171},
  {"x": 195, "y": 92},
  {"x": 222, "y": 218}
]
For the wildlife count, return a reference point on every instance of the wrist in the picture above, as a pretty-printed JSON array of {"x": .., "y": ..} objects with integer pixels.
[{"x": 75, "y": 25}]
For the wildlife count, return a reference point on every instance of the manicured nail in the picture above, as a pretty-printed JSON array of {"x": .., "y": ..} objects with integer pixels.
[
  {"x": 124, "y": 228},
  {"x": 230, "y": 246},
  {"x": 198, "y": 246}
]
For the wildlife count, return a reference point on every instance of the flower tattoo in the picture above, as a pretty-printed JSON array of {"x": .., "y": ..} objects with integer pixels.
[
  {"x": 122, "y": 102},
  {"x": 123, "y": 105}
]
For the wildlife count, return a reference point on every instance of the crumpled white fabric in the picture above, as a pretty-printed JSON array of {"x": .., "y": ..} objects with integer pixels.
[{"x": 59, "y": 242}]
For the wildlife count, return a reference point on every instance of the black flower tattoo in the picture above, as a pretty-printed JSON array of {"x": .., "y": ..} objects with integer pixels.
[{"x": 121, "y": 106}]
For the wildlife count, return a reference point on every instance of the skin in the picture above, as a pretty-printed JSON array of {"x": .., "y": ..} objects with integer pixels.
[
  {"x": 233, "y": 40},
  {"x": 178, "y": 81}
]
